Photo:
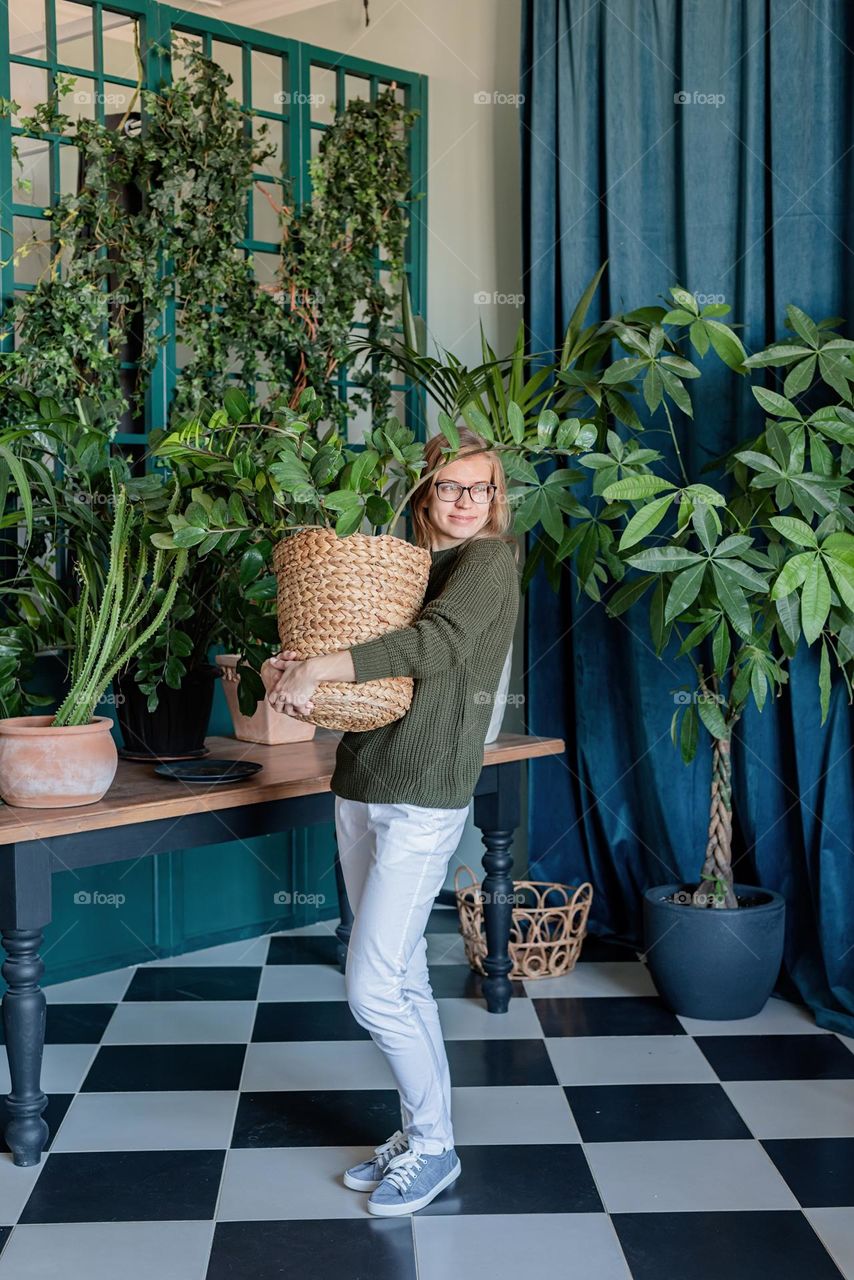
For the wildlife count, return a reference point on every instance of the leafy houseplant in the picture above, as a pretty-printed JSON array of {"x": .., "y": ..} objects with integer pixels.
[{"x": 70, "y": 758}]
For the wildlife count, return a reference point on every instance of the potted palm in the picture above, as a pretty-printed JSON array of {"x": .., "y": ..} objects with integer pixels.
[{"x": 739, "y": 574}]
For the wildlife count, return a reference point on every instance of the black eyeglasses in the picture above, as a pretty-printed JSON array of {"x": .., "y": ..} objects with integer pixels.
[{"x": 450, "y": 491}]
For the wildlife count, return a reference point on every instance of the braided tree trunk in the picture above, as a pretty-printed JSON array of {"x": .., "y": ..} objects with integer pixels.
[{"x": 717, "y": 868}]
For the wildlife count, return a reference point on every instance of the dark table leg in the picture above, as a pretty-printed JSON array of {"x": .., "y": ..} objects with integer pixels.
[
  {"x": 342, "y": 932},
  {"x": 497, "y": 815},
  {"x": 24, "y": 910}
]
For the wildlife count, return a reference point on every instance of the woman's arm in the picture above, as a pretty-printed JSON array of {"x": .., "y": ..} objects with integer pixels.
[{"x": 300, "y": 678}]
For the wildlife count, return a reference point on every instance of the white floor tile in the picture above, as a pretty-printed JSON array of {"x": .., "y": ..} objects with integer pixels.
[
  {"x": 108, "y": 1250},
  {"x": 445, "y": 948},
  {"x": 672, "y": 1177},
  {"x": 628, "y": 1060},
  {"x": 528, "y": 1114},
  {"x": 245, "y": 951},
  {"x": 795, "y": 1108},
  {"x": 609, "y": 978},
  {"x": 100, "y": 988},
  {"x": 316, "y": 1064},
  {"x": 155, "y": 1121},
  {"x": 289, "y": 1182},
  {"x": 507, "y": 1248},
  {"x": 301, "y": 982},
  {"x": 464, "y": 1019},
  {"x": 64, "y": 1067},
  {"x": 181, "y": 1022},
  {"x": 835, "y": 1229},
  {"x": 779, "y": 1017}
]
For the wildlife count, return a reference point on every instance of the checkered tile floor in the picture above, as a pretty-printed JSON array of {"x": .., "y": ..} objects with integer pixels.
[{"x": 202, "y": 1110}]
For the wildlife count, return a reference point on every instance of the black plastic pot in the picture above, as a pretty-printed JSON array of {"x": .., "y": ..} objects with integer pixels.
[
  {"x": 177, "y": 729},
  {"x": 710, "y": 962}
]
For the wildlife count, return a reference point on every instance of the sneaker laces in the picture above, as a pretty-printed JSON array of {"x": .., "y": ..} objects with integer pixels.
[
  {"x": 403, "y": 1168},
  {"x": 397, "y": 1143}
]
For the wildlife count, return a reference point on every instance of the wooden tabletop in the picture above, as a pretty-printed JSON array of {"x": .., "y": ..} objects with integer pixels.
[{"x": 138, "y": 794}]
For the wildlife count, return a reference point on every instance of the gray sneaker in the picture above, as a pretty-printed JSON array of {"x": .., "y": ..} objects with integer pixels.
[
  {"x": 369, "y": 1174},
  {"x": 412, "y": 1180}
]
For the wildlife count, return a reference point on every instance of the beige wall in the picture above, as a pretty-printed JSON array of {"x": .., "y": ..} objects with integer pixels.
[{"x": 466, "y": 48}]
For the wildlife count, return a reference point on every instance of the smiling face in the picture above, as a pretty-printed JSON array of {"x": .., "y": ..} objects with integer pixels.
[{"x": 453, "y": 521}]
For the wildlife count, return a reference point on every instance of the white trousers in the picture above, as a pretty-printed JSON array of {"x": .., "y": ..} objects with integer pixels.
[{"x": 394, "y": 858}]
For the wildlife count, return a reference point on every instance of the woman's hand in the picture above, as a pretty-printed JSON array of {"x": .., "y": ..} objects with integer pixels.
[{"x": 293, "y": 690}]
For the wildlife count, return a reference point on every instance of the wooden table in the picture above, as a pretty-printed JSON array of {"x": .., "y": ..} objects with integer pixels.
[{"x": 144, "y": 814}]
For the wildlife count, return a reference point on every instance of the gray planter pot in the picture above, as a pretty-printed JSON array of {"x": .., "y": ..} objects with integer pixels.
[{"x": 714, "y": 963}]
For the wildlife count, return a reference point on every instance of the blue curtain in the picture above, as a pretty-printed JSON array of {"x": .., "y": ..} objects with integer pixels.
[{"x": 707, "y": 145}]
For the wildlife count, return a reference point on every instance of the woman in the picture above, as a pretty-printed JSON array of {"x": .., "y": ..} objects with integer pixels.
[{"x": 402, "y": 794}]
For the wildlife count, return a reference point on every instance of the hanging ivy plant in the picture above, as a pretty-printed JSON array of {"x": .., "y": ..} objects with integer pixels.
[{"x": 115, "y": 268}]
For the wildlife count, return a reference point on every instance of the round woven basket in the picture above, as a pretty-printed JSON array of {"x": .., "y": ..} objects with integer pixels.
[
  {"x": 334, "y": 592},
  {"x": 548, "y": 925}
]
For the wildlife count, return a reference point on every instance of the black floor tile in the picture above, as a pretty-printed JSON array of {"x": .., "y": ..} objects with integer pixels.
[
  {"x": 766, "y": 1057},
  {"x": 776, "y": 1244},
  {"x": 449, "y": 980},
  {"x": 319, "y": 1249},
  {"x": 443, "y": 920},
  {"x": 499, "y": 1062},
  {"x": 315, "y": 948},
  {"x": 204, "y": 982},
  {"x": 606, "y": 1016},
  {"x": 325, "y": 1118},
  {"x": 126, "y": 1186},
  {"x": 5, "y": 1232},
  {"x": 53, "y": 1115},
  {"x": 75, "y": 1023},
  {"x": 129, "y": 1068},
  {"x": 602, "y": 950},
  {"x": 820, "y": 1171},
  {"x": 653, "y": 1112},
  {"x": 306, "y": 1020},
  {"x": 512, "y": 1179}
]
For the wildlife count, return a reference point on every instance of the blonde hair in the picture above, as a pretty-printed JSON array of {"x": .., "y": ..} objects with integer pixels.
[{"x": 500, "y": 519}]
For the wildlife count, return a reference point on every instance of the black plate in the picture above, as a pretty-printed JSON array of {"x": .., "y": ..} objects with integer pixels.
[{"x": 210, "y": 773}]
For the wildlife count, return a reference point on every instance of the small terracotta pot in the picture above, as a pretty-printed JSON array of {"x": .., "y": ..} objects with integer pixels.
[
  {"x": 265, "y": 725},
  {"x": 44, "y": 767}
]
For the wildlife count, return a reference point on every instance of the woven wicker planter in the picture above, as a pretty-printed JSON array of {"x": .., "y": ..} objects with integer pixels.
[
  {"x": 548, "y": 926},
  {"x": 335, "y": 592}
]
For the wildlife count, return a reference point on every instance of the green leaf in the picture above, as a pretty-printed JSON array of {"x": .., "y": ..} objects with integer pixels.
[
  {"x": 710, "y": 713},
  {"x": 803, "y": 325},
  {"x": 13, "y": 462},
  {"x": 792, "y": 575},
  {"x": 665, "y": 559},
  {"x": 189, "y": 536},
  {"x": 478, "y": 422},
  {"x": 626, "y": 595},
  {"x": 236, "y": 404},
  {"x": 689, "y": 735},
  {"x": 733, "y": 602},
  {"x": 644, "y": 521},
  {"x": 824, "y": 681},
  {"x": 788, "y": 611},
  {"x": 378, "y": 510},
  {"x": 797, "y": 531},
  {"x": 721, "y": 648},
  {"x": 516, "y": 421},
  {"x": 726, "y": 343},
  {"x": 634, "y": 488},
  {"x": 449, "y": 429},
  {"x": 349, "y": 521},
  {"x": 342, "y": 500},
  {"x": 815, "y": 601},
  {"x": 843, "y": 577},
  {"x": 364, "y": 464},
  {"x": 775, "y": 404},
  {"x": 684, "y": 591},
  {"x": 251, "y": 565}
]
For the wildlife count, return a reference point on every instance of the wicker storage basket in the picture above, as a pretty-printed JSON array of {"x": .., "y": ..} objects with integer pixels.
[
  {"x": 334, "y": 592},
  {"x": 549, "y": 924}
]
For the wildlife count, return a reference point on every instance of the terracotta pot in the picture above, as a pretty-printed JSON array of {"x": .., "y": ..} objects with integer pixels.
[
  {"x": 265, "y": 725},
  {"x": 43, "y": 767}
]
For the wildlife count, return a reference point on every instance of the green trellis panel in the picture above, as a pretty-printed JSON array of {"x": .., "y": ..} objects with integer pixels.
[{"x": 190, "y": 899}]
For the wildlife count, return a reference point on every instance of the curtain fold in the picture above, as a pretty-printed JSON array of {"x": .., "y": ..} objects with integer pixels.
[{"x": 707, "y": 145}]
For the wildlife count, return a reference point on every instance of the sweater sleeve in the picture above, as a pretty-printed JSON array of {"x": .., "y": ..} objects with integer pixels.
[{"x": 446, "y": 631}]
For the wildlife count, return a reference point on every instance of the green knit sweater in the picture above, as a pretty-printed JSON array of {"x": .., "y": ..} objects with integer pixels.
[{"x": 455, "y": 650}]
